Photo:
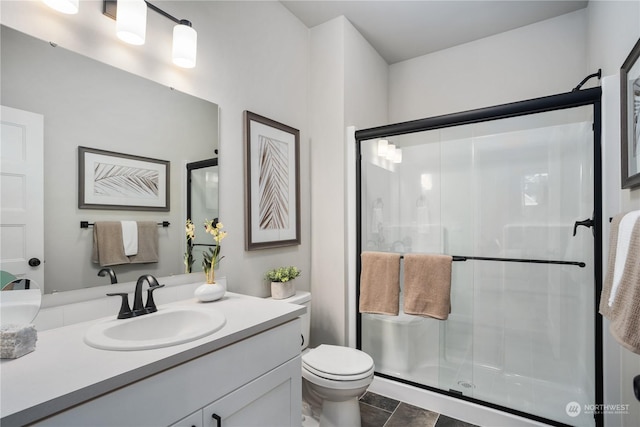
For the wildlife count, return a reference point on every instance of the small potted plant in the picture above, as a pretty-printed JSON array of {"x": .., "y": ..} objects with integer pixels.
[{"x": 282, "y": 285}]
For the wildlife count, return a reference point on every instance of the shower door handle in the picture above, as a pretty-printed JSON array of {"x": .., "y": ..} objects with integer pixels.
[{"x": 585, "y": 223}]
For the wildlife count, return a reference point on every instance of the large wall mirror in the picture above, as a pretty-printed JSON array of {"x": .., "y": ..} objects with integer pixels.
[{"x": 87, "y": 103}]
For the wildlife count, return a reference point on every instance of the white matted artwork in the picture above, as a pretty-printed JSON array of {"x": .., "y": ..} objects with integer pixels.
[
  {"x": 109, "y": 180},
  {"x": 272, "y": 193}
]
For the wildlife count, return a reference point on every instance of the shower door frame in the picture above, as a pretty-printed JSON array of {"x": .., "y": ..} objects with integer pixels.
[{"x": 576, "y": 98}]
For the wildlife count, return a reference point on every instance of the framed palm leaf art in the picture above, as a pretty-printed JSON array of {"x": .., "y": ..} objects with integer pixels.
[
  {"x": 272, "y": 183},
  {"x": 108, "y": 180}
]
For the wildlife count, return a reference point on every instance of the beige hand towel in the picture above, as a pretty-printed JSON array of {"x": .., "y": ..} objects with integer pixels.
[
  {"x": 427, "y": 285},
  {"x": 380, "y": 283},
  {"x": 108, "y": 248},
  {"x": 624, "y": 313},
  {"x": 147, "y": 243}
]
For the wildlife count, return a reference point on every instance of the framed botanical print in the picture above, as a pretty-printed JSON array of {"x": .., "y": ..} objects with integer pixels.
[{"x": 272, "y": 183}]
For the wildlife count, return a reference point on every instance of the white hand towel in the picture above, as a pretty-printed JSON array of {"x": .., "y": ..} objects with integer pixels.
[
  {"x": 130, "y": 237},
  {"x": 622, "y": 249}
]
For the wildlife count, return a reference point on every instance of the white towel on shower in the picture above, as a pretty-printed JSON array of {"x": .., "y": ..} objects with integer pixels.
[
  {"x": 130, "y": 237},
  {"x": 622, "y": 249}
]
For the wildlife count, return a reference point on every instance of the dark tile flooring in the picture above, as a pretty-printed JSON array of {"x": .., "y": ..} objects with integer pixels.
[{"x": 381, "y": 411}]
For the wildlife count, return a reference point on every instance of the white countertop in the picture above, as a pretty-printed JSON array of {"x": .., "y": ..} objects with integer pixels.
[{"x": 64, "y": 371}]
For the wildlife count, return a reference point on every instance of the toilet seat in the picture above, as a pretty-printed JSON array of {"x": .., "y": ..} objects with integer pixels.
[{"x": 338, "y": 363}]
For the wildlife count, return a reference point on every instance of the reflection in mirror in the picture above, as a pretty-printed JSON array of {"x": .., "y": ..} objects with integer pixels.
[
  {"x": 19, "y": 301},
  {"x": 88, "y": 103},
  {"x": 202, "y": 203}
]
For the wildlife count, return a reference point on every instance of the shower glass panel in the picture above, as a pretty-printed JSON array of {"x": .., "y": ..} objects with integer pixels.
[{"x": 520, "y": 335}]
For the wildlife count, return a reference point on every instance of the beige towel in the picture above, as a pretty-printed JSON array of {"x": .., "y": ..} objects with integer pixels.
[
  {"x": 147, "y": 243},
  {"x": 380, "y": 283},
  {"x": 427, "y": 285},
  {"x": 108, "y": 248},
  {"x": 624, "y": 313}
]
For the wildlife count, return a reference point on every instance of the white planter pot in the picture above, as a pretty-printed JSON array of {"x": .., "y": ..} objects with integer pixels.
[
  {"x": 211, "y": 291},
  {"x": 280, "y": 290}
]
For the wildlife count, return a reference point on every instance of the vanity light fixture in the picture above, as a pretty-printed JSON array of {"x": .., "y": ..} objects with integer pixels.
[
  {"x": 391, "y": 152},
  {"x": 70, "y": 7},
  {"x": 131, "y": 21},
  {"x": 185, "y": 38},
  {"x": 397, "y": 158},
  {"x": 382, "y": 147}
]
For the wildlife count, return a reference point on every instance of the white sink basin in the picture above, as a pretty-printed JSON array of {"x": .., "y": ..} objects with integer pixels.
[{"x": 164, "y": 328}]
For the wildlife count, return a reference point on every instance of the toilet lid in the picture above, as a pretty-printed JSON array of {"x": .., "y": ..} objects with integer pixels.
[{"x": 331, "y": 361}]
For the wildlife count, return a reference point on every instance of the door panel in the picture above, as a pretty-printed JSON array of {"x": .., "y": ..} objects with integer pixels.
[{"x": 21, "y": 193}]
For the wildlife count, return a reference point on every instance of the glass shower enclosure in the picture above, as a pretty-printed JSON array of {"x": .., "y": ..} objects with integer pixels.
[{"x": 513, "y": 194}]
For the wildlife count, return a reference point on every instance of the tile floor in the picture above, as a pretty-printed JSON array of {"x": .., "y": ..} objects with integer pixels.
[{"x": 381, "y": 411}]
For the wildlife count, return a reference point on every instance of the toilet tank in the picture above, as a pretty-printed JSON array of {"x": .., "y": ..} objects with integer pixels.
[{"x": 302, "y": 298}]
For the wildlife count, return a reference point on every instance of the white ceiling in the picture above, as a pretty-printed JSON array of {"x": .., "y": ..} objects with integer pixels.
[{"x": 401, "y": 30}]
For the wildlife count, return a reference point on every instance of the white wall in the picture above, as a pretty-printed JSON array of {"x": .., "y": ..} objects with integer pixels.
[
  {"x": 348, "y": 86},
  {"x": 541, "y": 59},
  {"x": 614, "y": 28},
  {"x": 251, "y": 56}
]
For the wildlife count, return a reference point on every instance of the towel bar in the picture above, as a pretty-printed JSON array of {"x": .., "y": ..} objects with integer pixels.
[
  {"x": 531, "y": 261},
  {"x": 87, "y": 224}
]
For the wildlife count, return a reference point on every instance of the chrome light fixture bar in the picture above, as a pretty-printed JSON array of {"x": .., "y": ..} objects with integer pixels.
[{"x": 131, "y": 29}]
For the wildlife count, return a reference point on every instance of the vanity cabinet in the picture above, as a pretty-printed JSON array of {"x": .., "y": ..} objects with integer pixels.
[{"x": 253, "y": 382}]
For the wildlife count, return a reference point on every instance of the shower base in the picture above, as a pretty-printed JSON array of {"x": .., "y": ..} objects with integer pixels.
[{"x": 530, "y": 395}]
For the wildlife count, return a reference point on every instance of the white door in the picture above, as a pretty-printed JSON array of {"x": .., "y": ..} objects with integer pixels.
[{"x": 21, "y": 194}]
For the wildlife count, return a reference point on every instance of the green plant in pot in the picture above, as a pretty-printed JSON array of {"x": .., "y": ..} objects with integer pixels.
[{"x": 282, "y": 281}]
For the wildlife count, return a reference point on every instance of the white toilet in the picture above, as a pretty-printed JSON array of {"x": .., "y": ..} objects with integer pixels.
[{"x": 333, "y": 377}]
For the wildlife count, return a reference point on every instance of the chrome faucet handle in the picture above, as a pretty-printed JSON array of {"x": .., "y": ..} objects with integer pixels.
[
  {"x": 150, "y": 307},
  {"x": 125, "y": 310}
]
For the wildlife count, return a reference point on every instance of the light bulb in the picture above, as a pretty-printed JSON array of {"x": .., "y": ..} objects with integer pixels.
[
  {"x": 131, "y": 21},
  {"x": 391, "y": 152},
  {"x": 185, "y": 45},
  {"x": 382, "y": 147},
  {"x": 398, "y": 156}
]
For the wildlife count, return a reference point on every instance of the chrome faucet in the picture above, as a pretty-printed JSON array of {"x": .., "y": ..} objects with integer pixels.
[
  {"x": 110, "y": 272},
  {"x": 138, "y": 308}
]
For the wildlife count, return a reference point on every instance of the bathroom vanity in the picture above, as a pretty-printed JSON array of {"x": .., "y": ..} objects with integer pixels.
[{"x": 246, "y": 373}]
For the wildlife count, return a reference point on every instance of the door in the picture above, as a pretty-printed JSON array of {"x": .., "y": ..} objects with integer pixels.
[{"x": 21, "y": 194}]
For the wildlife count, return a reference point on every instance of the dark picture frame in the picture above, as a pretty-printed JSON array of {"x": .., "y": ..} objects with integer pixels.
[
  {"x": 116, "y": 181},
  {"x": 272, "y": 183},
  {"x": 630, "y": 118}
]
